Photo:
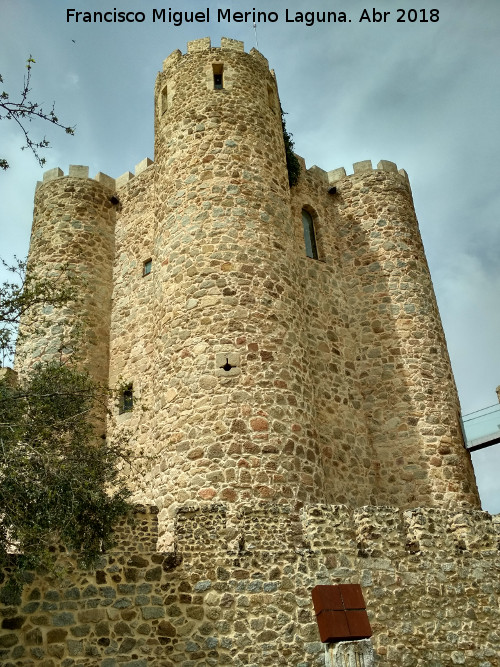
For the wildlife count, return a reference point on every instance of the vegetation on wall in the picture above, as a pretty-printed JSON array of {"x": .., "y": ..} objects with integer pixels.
[
  {"x": 292, "y": 163},
  {"x": 59, "y": 479}
]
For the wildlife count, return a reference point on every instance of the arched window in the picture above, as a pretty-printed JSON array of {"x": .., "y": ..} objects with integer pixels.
[{"x": 309, "y": 235}]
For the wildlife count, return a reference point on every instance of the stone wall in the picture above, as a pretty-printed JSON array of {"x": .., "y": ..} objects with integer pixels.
[{"x": 237, "y": 590}]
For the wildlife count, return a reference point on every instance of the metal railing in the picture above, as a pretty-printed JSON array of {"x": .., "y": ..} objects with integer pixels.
[{"x": 482, "y": 428}]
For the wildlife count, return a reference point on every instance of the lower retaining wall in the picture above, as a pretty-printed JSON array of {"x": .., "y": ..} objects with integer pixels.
[{"x": 237, "y": 590}]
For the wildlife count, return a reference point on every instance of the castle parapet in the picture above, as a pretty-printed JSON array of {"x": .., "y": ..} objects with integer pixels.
[
  {"x": 358, "y": 168},
  {"x": 205, "y": 44},
  {"x": 140, "y": 167},
  {"x": 365, "y": 166},
  {"x": 385, "y": 534},
  {"x": 76, "y": 171},
  {"x": 81, "y": 171}
]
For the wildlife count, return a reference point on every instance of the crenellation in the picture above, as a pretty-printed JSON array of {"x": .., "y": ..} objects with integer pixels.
[
  {"x": 249, "y": 605},
  {"x": 124, "y": 179},
  {"x": 232, "y": 44},
  {"x": 258, "y": 56},
  {"x": 336, "y": 174},
  {"x": 196, "y": 45},
  {"x": 365, "y": 167},
  {"x": 380, "y": 532},
  {"x": 318, "y": 173},
  {"x": 105, "y": 180},
  {"x": 269, "y": 527},
  {"x": 387, "y": 165},
  {"x": 78, "y": 171},
  {"x": 142, "y": 166},
  {"x": 361, "y": 167},
  {"x": 171, "y": 60},
  {"x": 51, "y": 174},
  {"x": 200, "y": 528},
  {"x": 474, "y": 530}
]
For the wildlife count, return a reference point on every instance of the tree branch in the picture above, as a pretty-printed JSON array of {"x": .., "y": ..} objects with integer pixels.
[{"x": 24, "y": 111}]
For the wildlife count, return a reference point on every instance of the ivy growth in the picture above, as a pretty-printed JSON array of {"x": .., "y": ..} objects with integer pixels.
[{"x": 292, "y": 163}]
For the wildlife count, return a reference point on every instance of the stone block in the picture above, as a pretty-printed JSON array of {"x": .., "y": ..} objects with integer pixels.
[
  {"x": 143, "y": 165},
  {"x": 196, "y": 45},
  {"x": 350, "y": 654},
  {"x": 227, "y": 364},
  {"x": 124, "y": 179},
  {"x": 105, "y": 180},
  {"x": 78, "y": 171},
  {"x": 52, "y": 174},
  {"x": 336, "y": 174},
  {"x": 364, "y": 165}
]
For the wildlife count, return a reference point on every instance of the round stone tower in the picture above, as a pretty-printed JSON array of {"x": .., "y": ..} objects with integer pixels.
[
  {"x": 233, "y": 417},
  {"x": 410, "y": 400},
  {"x": 72, "y": 234}
]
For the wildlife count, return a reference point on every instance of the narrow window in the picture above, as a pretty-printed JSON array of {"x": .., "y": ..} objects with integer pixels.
[
  {"x": 309, "y": 235},
  {"x": 146, "y": 267},
  {"x": 271, "y": 98},
  {"x": 218, "y": 80},
  {"x": 126, "y": 399},
  {"x": 163, "y": 100}
]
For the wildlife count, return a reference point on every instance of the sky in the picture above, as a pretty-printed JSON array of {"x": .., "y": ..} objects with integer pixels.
[{"x": 423, "y": 93}]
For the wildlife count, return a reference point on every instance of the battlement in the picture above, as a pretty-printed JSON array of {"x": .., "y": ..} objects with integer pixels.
[
  {"x": 205, "y": 44},
  {"x": 359, "y": 169},
  {"x": 329, "y": 177},
  {"x": 76, "y": 171},
  {"x": 128, "y": 176},
  {"x": 370, "y": 531},
  {"x": 81, "y": 171}
]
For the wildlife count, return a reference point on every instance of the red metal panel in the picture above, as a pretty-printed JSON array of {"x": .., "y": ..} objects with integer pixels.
[
  {"x": 352, "y": 596},
  {"x": 333, "y": 626},
  {"x": 341, "y": 612},
  {"x": 327, "y": 598},
  {"x": 359, "y": 625}
]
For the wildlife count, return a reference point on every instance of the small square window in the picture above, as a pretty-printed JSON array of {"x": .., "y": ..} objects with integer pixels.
[
  {"x": 126, "y": 399},
  {"x": 146, "y": 267}
]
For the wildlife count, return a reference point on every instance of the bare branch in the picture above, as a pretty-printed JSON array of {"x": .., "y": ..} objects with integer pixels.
[{"x": 25, "y": 111}]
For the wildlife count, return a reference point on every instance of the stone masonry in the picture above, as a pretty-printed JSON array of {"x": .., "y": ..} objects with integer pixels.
[
  {"x": 295, "y": 418},
  {"x": 237, "y": 590}
]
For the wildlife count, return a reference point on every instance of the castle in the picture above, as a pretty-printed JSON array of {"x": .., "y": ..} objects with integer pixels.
[{"x": 302, "y": 424}]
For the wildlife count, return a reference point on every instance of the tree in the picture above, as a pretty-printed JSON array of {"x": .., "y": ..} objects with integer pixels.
[
  {"x": 23, "y": 294},
  {"x": 23, "y": 112},
  {"x": 59, "y": 479}
]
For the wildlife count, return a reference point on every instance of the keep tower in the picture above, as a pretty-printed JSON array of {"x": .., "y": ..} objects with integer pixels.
[
  {"x": 263, "y": 369},
  {"x": 227, "y": 296}
]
